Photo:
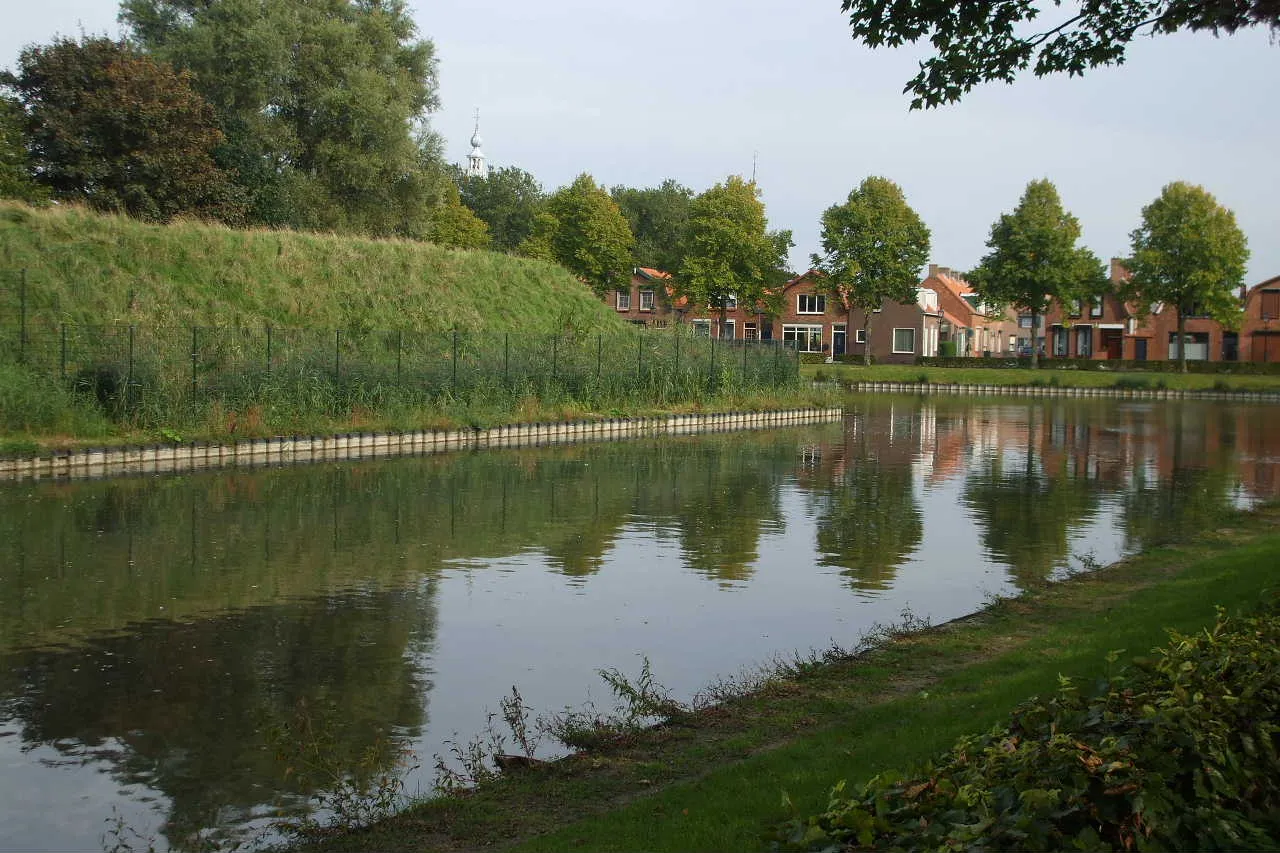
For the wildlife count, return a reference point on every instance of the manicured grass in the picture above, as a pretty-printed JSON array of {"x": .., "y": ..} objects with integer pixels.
[
  {"x": 848, "y": 373},
  {"x": 716, "y": 782}
]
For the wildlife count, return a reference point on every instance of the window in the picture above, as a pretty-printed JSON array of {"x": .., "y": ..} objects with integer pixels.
[
  {"x": 1084, "y": 341},
  {"x": 751, "y": 332},
  {"x": 624, "y": 300},
  {"x": 1074, "y": 307},
  {"x": 860, "y": 336},
  {"x": 1095, "y": 308},
  {"x": 730, "y": 302},
  {"x": 1059, "y": 342},
  {"x": 646, "y": 300},
  {"x": 904, "y": 340},
  {"x": 1270, "y": 304},
  {"x": 728, "y": 330},
  {"x": 1197, "y": 346},
  {"x": 803, "y": 338},
  {"x": 702, "y": 328},
  {"x": 811, "y": 303}
]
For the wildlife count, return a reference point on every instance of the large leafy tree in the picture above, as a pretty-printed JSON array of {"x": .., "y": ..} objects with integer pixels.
[
  {"x": 1034, "y": 259},
  {"x": 658, "y": 217},
  {"x": 15, "y": 166},
  {"x": 1190, "y": 254},
  {"x": 875, "y": 245},
  {"x": 318, "y": 100},
  {"x": 582, "y": 230},
  {"x": 983, "y": 40},
  {"x": 507, "y": 199},
  {"x": 453, "y": 224},
  {"x": 119, "y": 131},
  {"x": 727, "y": 251}
]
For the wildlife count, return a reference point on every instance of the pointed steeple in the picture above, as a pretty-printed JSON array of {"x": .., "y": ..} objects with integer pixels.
[{"x": 476, "y": 165}]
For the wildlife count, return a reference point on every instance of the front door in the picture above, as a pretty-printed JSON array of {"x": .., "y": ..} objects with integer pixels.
[
  {"x": 1140, "y": 349},
  {"x": 1113, "y": 343},
  {"x": 837, "y": 340}
]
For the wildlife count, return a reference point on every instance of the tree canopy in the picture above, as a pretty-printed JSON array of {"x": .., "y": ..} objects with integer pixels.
[
  {"x": 978, "y": 41},
  {"x": 727, "y": 250},
  {"x": 15, "y": 166},
  {"x": 1190, "y": 254},
  {"x": 318, "y": 100},
  {"x": 453, "y": 224},
  {"x": 659, "y": 217},
  {"x": 507, "y": 199},
  {"x": 1034, "y": 258},
  {"x": 582, "y": 230},
  {"x": 120, "y": 131},
  {"x": 874, "y": 247}
]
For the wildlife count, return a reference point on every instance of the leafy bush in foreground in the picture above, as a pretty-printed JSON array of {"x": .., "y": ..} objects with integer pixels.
[{"x": 1179, "y": 752}]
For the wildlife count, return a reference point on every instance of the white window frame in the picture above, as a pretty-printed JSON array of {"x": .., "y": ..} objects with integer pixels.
[
  {"x": 732, "y": 327},
  {"x": 702, "y": 328},
  {"x": 624, "y": 300},
  {"x": 818, "y": 300},
  {"x": 895, "y": 340},
  {"x": 860, "y": 336},
  {"x": 731, "y": 302},
  {"x": 751, "y": 332},
  {"x": 650, "y": 300},
  {"x": 1095, "y": 308},
  {"x": 810, "y": 334}
]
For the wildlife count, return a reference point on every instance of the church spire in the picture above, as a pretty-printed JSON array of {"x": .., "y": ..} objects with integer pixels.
[{"x": 476, "y": 165}]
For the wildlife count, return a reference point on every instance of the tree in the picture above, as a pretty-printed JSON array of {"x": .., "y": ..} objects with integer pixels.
[
  {"x": 1034, "y": 258},
  {"x": 454, "y": 225},
  {"x": 583, "y": 231},
  {"x": 983, "y": 40},
  {"x": 727, "y": 251},
  {"x": 1190, "y": 254},
  {"x": 120, "y": 131},
  {"x": 659, "y": 217},
  {"x": 15, "y": 166},
  {"x": 318, "y": 100},
  {"x": 507, "y": 199},
  {"x": 875, "y": 245}
]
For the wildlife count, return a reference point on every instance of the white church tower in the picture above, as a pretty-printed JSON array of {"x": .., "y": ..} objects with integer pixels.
[{"x": 476, "y": 165}]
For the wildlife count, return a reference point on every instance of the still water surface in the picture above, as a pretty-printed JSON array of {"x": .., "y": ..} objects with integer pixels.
[{"x": 157, "y": 635}]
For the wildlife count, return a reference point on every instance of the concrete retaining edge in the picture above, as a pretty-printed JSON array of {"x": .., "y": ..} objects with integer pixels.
[
  {"x": 1061, "y": 391},
  {"x": 95, "y": 463}
]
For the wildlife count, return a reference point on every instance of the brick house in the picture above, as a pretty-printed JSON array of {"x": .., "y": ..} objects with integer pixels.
[
  {"x": 973, "y": 328},
  {"x": 1260, "y": 331},
  {"x": 647, "y": 299}
]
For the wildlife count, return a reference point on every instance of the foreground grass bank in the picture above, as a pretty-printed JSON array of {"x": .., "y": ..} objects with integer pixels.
[
  {"x": 716, "y": 780},
  {"x": 850, "y": 373}
]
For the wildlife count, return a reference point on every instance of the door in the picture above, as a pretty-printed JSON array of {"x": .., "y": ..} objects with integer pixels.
[
  {"x": 1113, "y": 343},
  {"x": 837, "y": 340},
  {"x": 1140, "y": 349}
]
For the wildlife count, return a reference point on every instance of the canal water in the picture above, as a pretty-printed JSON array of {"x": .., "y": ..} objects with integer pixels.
[{"x": 167, "y": 642}]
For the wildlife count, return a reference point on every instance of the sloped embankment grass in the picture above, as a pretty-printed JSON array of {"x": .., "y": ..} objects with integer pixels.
[{"x": 85, "y": 267}]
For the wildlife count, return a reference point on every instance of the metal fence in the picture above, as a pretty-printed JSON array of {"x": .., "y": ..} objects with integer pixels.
[{"x": 153, "y": 374}]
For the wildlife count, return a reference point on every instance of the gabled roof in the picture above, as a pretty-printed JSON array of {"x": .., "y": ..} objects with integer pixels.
[{"x": 650, "y": 273}]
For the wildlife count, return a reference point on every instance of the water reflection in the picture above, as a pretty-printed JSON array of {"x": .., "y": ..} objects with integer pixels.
[{"x": 164, "y": 631}]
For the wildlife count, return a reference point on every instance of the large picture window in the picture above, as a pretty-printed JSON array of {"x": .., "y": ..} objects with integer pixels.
[
  {"x": 803, "y": 338},
  {"x": 904, "y": 340},
  {"x": 811, "y": 303}
]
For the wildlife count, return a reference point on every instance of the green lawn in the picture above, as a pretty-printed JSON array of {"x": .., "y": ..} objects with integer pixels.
[
  {"x": 848, "y": 373},
  {"x": 717, "y": 781}
]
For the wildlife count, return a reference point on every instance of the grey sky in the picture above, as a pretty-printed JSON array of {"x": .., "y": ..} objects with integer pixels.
[{"x": 689, "y": 89}]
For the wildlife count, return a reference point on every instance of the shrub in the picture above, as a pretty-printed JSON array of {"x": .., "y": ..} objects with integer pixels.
[{"x": 1178, "y": 753}]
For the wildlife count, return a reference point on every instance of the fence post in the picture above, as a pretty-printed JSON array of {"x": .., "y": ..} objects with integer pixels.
[
  {"x": 454, "y": 380},
  {"x": 599, "y": 354},
  {"x": 337, "y": 355},
  {"x": 506, "y": 359},
  {"x": 555, "y": 355},
  {"x": 676, "y": 369},
  {"x": 128, "y": 384},
  {"x": 22, "y": 318},
  {"x": 399, "y": 352},
  {"x": 195, "y": 350},
  {"x": 744, "y": 360},
  {"x": 711, "y": 376},
  {"x": 640, "y": 359},
  {"x": 62, "y": 359},
  {"x": 268, "y": 351}
]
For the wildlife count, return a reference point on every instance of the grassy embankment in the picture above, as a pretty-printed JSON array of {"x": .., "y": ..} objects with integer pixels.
[
  {"x": 1139, "y": 380},
  {"x": 398, "y": 304},
  {"x": 716, "y": 781}
]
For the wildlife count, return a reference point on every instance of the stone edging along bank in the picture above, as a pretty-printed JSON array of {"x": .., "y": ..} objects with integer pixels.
[
  {"x": 292, "y": 450},
  {"x": 1062, "y": 391}
]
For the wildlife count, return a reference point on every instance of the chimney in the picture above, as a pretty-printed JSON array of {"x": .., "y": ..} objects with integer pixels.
[
  {"x": 933, "y": 270},
  {"x": 1118, "y": 271}
]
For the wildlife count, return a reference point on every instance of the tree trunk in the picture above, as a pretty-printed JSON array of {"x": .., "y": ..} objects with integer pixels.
[
  {"x": 1182, "y": 341},
  {"x": 724, "y": 315},
  {"x": 866, "y": 338},
  {"x": 1035, "y": 339}
]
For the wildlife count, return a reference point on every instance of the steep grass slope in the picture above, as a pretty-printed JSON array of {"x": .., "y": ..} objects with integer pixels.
[{"x": 84, "y": 267}]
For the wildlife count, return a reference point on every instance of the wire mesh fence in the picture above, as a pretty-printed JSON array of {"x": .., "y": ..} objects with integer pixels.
[{"x": 162, "y": 375}]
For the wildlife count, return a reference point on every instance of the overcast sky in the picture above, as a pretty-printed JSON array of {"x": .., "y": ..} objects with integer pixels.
[{"x": 690, "y": 89}]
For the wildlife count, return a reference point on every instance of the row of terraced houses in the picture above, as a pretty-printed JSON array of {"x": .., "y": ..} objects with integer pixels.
[{"x": 947, "y": 309}]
